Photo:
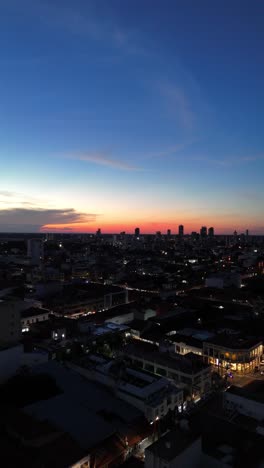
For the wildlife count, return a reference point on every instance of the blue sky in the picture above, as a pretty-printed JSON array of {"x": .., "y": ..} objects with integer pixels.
[{"x": 135, "y": 112}]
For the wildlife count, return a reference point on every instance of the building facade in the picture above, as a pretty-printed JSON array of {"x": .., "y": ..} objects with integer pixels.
[{"x": 229, "y": 354}]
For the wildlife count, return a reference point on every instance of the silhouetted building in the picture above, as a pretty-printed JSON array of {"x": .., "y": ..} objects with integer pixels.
[
  {"x": 137, "y": 232},
  {"x": 211, "y": 232},
  {"x": 203, "y": 232},
  {"x": 181, "y": 230}
]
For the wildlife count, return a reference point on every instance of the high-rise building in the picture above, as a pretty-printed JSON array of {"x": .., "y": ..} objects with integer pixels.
[
  {"x": 203, "y": 232},
  {"x": 211, "y": 232},
  {"x": 137, "y": 232},
  {"x": 98, "y": 232},
  {"x": 168, "y": 233},
  {"x": 35, "y": 250},
  {"x": 181, "y": 230}
]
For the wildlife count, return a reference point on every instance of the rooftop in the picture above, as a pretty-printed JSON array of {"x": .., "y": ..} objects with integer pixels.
[
  {"x": 88, "y": 411},
  {"x": 188, "y": 364},
  {"x": 229, "y": 341},
  {"x": 34, "y": 312},
  {"x": 253, "y": 391},
  {"x": 172, "y": 444}
]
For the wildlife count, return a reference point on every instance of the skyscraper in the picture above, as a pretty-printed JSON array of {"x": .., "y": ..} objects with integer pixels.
[
  {"x": 211, "y": 232},
  {"x": 203, "y": 232},
  {"x": 181, "y": 230},
  {"x": 168, "y": 233},
  {"x": 137, "y": 232}
]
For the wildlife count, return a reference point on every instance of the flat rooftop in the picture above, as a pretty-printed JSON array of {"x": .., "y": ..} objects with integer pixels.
[
  {"x": 188, "y": 340},
  {"x": 253, "y": 391},
  {"x": 88, "y": 411},
  {"x": 34, "y": 312},
  {"x": 188, "y": 364},
  {"x": 235, "y": 342}
]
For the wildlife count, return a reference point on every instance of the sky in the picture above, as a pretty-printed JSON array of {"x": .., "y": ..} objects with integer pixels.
[{"x": 117, "y": 114}]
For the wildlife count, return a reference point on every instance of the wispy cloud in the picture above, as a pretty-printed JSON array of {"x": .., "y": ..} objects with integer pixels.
[
  {"x": 178, "y": 103},
  {"x": 8, "y": 194},
  {"x": 102, "y": 159},
  {"x": 37, "y": 218},
  {"x": 169, "y": 151},
  {"x": 227, "y": 162},
  {"x": 84, "y": 22}
]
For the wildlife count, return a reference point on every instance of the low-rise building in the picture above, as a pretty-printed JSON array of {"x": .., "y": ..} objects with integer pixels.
[
  {"x": 183, "y": 344},
  {"x": 33, "y": 315},
  {"x": 187, "y": 371},
  {"x": 153, "y": 395},
  {"x": 226, "y": 352},
  {"x": 247, "y": 401},
  {"x": 177, "y": 448}
]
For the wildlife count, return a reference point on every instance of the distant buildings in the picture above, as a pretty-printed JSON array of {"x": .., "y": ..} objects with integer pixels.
[
  {"x": 35, "y": 250},
  {"x": 211, "y": 232},
  {"x": 137, "y": 232},
  {"x": 203, "y": 232},
  {"x": 223, "y": 280},
  {"x": 181, "y": 230}
]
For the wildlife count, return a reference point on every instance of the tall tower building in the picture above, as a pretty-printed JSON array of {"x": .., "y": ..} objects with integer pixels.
[
  {"x": 211, "y": 232},
  {"x": 137, "y": 232},
  {"x": 203, "y": 232},
  {"x": 181, "y": 230},
  {"x": 168, "y": 233}
]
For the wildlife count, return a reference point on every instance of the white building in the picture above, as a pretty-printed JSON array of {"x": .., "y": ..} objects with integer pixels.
[
  {"x": 154, "y": 396},
  {"x": 188, "y": 372}
]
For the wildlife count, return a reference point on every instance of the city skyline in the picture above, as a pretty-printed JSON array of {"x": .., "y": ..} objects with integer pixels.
[{"x": 116, "y": 115}]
